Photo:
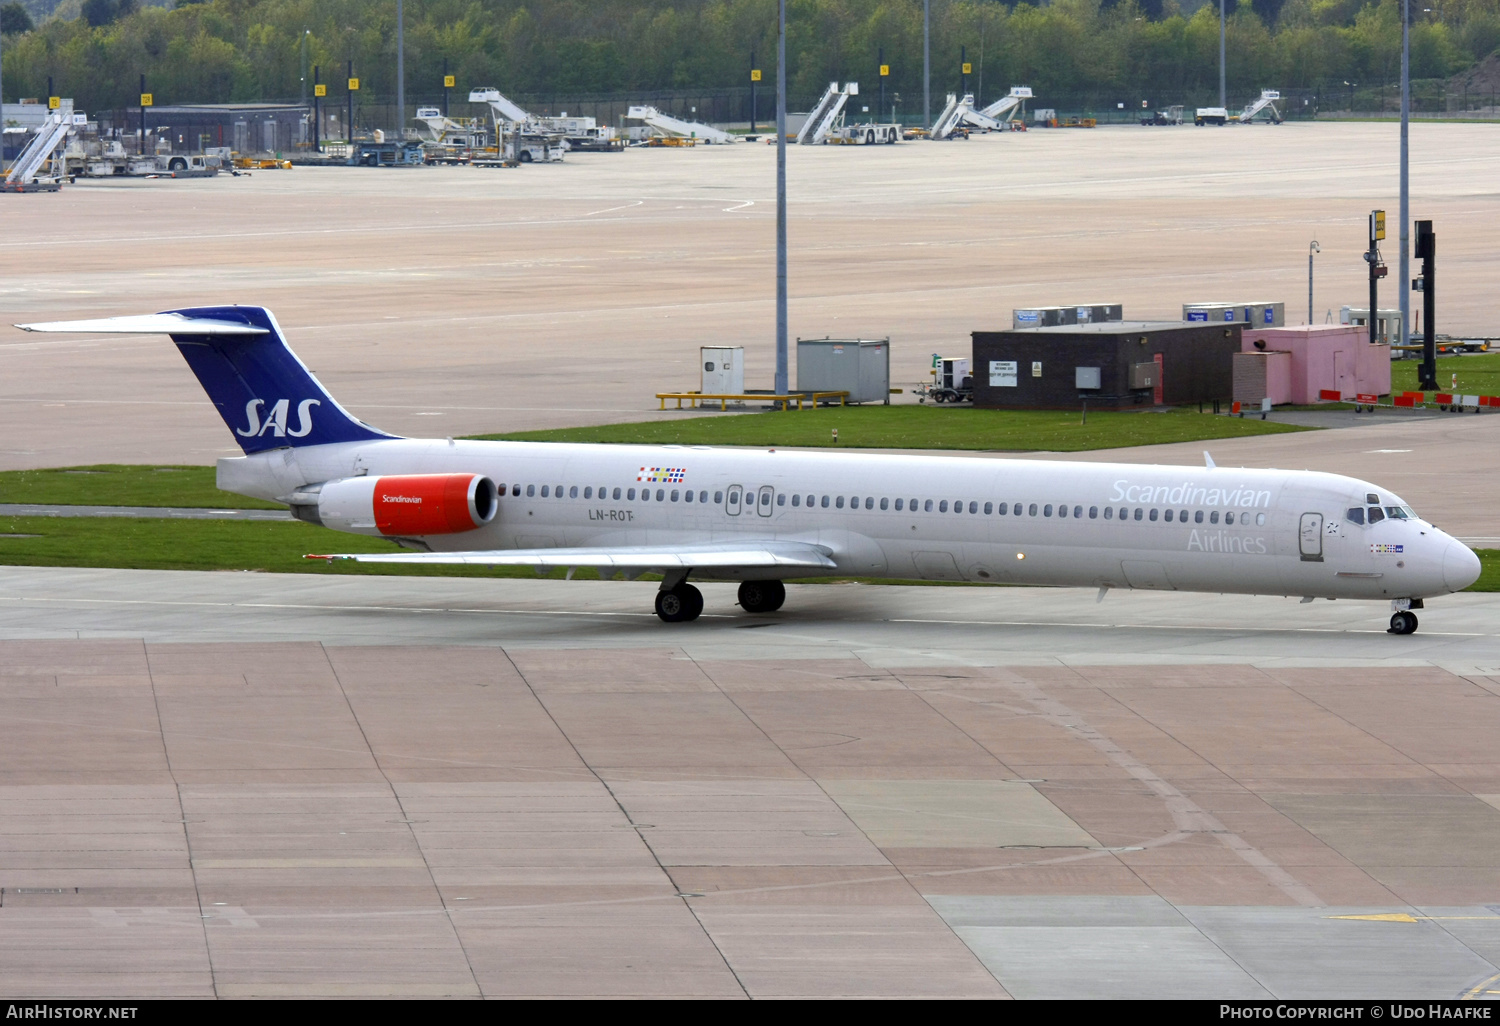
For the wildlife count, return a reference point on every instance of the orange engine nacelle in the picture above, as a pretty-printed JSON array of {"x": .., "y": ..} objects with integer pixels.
[{"x": 407, "y": 505}]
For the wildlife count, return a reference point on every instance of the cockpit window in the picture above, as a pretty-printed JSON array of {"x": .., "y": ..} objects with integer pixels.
[
  {"x": 1376, "y": 516},
  {"x": 1399, "y": 513},
  {"x": 1356, "y": 515}
]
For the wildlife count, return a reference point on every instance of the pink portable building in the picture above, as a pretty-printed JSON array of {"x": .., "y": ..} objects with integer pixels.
[{"x": 1325, "y": 356}]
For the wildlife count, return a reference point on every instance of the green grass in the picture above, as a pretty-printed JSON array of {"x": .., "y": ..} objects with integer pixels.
[
  {"x": 117, "y": 485},
  {"x": 1477, "y": 375},
  {"x": 143, "y": 544},
  {"x": 920, "y": 427}
]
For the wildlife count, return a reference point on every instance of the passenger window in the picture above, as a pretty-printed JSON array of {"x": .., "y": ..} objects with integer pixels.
[
  {"x": 989, "y": 508},
  {"x": 1168, "y": 516},
  {"x": 718, "y": 498},
  {"x": 824, "y": 503},
  {"x": 1182, "y": 516},
  {"x": 544, "y": 491},
  {"x": 765, "y": 498},
  {"x": 911, "y": 504},
  {"x": 899, "y": 504},
  {"x": 854, "y": 502},
  {"x": 870, "y": 502},
  {"x": 558, "y": 491},
  {"x": 1138, "y": 513},
  {"x": 780, "y": 498},
  {"x": 1124, "y": 513},
  {"x": 660, "y": 494},
  {"x": 1000, "y": 509},
  {"x": 687, "y": 496},
  {"x": 958, "y": 505},
  {"x": 616, "y": 493},
  {"x": 1229, "y": 518},
  {"x": 1062, "y": 511},
  {"x": 1213, "y": 518},
  {"x": 530, "y": 491},
  {"x": 838, "y": 502},
  {"x": 674, "y": 494},
  {"x": 1198, "y": 517},
  {"x": 1375, "y": 515},
  {"x": 1047, "y": 510},
  {"x": 1109, "y": 512},
  {"x": 886, "y": 503},
  {"x": 1093, "y": 512},
  {"x": 572, "y": 492},
  {"x": 703, "y": 496},
  {"x": 1077, "y": 512},
  {"x": 645, "y": 495},
  {"x": 733, "y": 501},
  {"x": 796, "y": 500},
  {"x": 1032, "y": 510},
  {"x": 588, "y": 492},
  {"x": 515, "y": 489},
  {"x": 1260, "y": 520},
  {"x": 927, "y": 506},
  {"x": 942, "y": 506},
  {"x": 1153, "y": 516}
]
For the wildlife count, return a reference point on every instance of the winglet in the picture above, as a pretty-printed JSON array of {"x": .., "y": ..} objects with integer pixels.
[{"x": 1208, "y": 461}]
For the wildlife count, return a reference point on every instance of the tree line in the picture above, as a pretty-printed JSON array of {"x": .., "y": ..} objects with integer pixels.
[{"x": 221, "y": 51}]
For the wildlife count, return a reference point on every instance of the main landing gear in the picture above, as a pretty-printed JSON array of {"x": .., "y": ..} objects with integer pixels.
[
  {"x": 1403, "y": 622},
  {"x": 679, "y": 602},
  {"x": 762, "y": 596}
]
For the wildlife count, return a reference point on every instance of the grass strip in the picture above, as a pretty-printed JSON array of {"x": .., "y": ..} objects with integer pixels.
[
  {"x": 111, "y": 484},
  {"x": 148, "y": 544},
  {"x": 921, "y": 427}
]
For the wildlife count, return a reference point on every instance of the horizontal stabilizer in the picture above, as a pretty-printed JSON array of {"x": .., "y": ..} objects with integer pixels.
[
  {"x": 150, "y": 324},
  {"x": 751, "y": 555}
]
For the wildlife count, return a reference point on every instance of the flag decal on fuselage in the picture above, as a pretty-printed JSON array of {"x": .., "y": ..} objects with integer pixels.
[{"x": 662, "y": 475}]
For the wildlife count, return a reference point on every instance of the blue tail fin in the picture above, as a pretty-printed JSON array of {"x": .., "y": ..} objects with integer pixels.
[{"x": 269, "y": 399}]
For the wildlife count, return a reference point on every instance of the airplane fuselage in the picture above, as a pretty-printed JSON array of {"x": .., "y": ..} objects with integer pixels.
[{"x": 1213, "y": 529}]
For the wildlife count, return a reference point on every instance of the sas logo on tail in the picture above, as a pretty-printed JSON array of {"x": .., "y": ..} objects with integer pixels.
[{"x": 275, "y": 421}]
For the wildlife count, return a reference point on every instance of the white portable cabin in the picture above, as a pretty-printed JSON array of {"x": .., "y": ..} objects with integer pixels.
[{"x": 723, "y": 370}]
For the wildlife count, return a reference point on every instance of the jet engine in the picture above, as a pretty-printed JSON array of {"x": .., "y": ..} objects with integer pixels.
[{"x": 406, "y": 505}]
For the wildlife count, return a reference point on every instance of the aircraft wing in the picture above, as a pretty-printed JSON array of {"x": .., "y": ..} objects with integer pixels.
[{"x": 629, "y": 558}]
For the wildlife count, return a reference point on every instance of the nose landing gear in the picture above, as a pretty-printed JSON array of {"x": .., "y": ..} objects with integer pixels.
[{"x": 1403, "y": 622}]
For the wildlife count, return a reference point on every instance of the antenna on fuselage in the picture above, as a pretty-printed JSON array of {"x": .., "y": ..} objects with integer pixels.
[{"x": 1208, "y": 461}]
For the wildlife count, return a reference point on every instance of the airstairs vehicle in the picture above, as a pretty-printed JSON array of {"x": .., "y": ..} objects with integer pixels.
[
  {"x": 44, "y": 149},
  {"x": 1265, "y": 105},
  {"x": 826, "y": 116},
  {"x": 958, "y": 114},
  {"x": 520, "y": 136},
  {"x": 1012, "y": 102},
  {"x": 669, "y": 127}
]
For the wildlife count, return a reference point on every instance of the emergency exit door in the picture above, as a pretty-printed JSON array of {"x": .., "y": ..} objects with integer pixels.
[
  {"x": 1310, "y": 539},
  {"x": 767, "y": 496}
]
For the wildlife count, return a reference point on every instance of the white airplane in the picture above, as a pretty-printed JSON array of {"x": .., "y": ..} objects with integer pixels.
[{"x": 761, "y": 516}]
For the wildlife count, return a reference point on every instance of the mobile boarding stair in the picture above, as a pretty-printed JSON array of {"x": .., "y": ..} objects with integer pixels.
[
  {"x": 676, "y": 128},
  {"x": 42, "y": 149},
  {"x": 825, "y": 117},
  {"x": 1267, "y": 102},
  {"x": 1001, "y": 108},
  {"x": 958, "y": 113}
]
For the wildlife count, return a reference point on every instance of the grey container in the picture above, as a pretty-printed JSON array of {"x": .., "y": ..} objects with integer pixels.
[
  {"x": 861, "y": 367},
  {"x": 1256, "y": 315},
  {"x": 1055, "y": 316}
]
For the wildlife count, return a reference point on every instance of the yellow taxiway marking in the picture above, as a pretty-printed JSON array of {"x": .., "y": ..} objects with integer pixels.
[
  {"x": 1402, "y": 917},
  {"x": 1474, "y": 992}
]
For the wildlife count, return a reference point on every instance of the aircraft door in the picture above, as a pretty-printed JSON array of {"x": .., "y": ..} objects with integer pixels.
[
  {"x": 763, "y": 507},
  {"x": 732, "y": 501},
  {"x": 1310, "y": 538}
]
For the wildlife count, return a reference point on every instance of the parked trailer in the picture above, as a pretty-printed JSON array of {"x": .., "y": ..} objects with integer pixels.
[
  {"x": 867, "y": 134},
  {"x": 1211, "y": 116}
]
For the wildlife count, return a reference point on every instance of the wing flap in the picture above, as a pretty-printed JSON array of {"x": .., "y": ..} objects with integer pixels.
[
  {"x": 149, "y": 324},
  {"x": 749, "y": 555}
]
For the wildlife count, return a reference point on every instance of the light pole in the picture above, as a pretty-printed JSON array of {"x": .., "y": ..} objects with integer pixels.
[
  {"x": 1403, "y": 287},
  {"x": 1223, "y": 101},
  {"x": 1312, "y": 248},
  {"x": 926, "y": 66},
  {"x": 781, "y": 356},
  {"x": 400, "y": 70},
  {"x": 305, "y": 34},
  {"x": 1351, "y": 86}
]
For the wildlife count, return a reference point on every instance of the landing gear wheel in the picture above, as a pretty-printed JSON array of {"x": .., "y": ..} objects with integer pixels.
[
  {"x": 762, "y": 596},
  {"x": 680, "y": 604},
  {"x": 1403, "y": 623}
]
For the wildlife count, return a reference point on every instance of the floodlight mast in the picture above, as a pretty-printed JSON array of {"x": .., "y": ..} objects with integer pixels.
[
  {"x": 781, "y": 355},
  {"x": 1223, "y": 102},
  {"x": 1403, "y": 287}
]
